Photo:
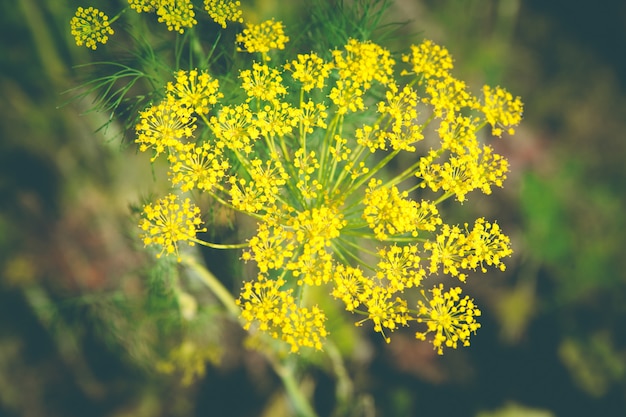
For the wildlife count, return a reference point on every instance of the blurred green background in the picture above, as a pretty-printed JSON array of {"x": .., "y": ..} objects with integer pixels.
[{"x": 80, "y": 333}]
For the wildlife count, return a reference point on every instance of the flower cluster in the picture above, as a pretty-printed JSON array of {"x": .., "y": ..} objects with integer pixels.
[
  {"x": 311, "y": 171},
  {"x": 91, "y": 26},
  {"x": 303, "y": 148},
  {"x": 263, "y": 38}
]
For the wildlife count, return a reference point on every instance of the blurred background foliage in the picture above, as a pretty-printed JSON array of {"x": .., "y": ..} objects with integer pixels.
[{"x": 91, "y": 326}]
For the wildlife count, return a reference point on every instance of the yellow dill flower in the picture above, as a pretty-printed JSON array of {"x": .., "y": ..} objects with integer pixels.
[
  {"x": 385, "y": 311},
  {"x": 428, "y": 60},
  {"x": 488, "y": 246},
  {"x": 169, "y": 222},
  {"x": 448, "y": 96},
  {"x": 141, "y": 6},
  {"x": 176, "y": 14},
  {"x": 351, "y": 286},
  {"x": 198, "y": 166},
  {"x": 262, "y": 38},
  {"x": 263, "y": 301},
  {"x": 448, "y": 249},
  {"x": 311, "y": 115},
  {"x": 307, "y": 165},
  {"x": 458, "y": 134},
  {"x": 501, "y": 110},
  {"x": 451, "y": 318},
  {"x": 197, "y": 90},
  {"x": 267, "y": 179},
  {"x": 347, "y": 96},
  {"x": 270, "y": 248},
  {"x": 390, "y": 212},
  {"x": 277, "y": 120},
  {"x": 310, "y": 69},
  {"x": 316, "y": 228},
  {"x": 90, "y": 27},
  {"x": 222, "y": 11},
  {"x": 370, "y": 137},
  {"x": 234, "y": 128},
  {"x": 262, "y": 83},
  {"x": 400, "y": 106},
  {"x": 364, "y": 62},
  {"x": 400, "y": 267},
  {"x": 312, "y": 269},
  {"x": 456, "y": 250},
  {"x": 463, "y": 173},
  {"x": 163, "y": 126},
  {"x": 400, "y": 109},
  {"x": 274, "y": 310}
]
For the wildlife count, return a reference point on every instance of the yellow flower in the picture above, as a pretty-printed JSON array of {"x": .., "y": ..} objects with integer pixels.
[
  {"x": 163, "y": 126},
  {"x": 198, "y": 166},
  {"x": 448, "y": 96},
  {"x": 400, "y": 267},
  {"x": 234, "y": 128},
  {"x": 451, "y": 318},
  {"x": 351, "y": 286},
  {"x": 463, "y": 173},
  {"x": 262, "y": 38},
  {"x": 263, "y": 83},
  {"x": 364, "y": 62},
  {"x": 275, "y": 311},
  {"x": 222, "y": 11},
  {"x": 169, "y": 222},
  {"x": 385, "y": 311},
  {"x": 428, "y": 60},
  {"x": 197, "y": 90},
  {"x": 390, "y": 212},
  {"x": 176, "y": 14},
  {"x": 141, "y": 6},
  {"x": 501, "y": 110},
  {"x": 311, "y": 70},
  {"x": 90, "y": 27}
]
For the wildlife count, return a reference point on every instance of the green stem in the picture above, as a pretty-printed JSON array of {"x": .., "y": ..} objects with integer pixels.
[
  {"x": 214, "y": 285},
  {"x": 285, "y": 372},
  {"x": 299, "y": 401}
]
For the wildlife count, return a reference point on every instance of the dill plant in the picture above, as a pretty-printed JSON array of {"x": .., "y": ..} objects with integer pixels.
[{"x": 303, "y": 145}]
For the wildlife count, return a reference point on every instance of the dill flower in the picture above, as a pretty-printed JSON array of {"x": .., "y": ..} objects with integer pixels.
[
  {"x": 451, "y": 318},
  {"x": 386, "y": 311},
  {"x": 274, "y": 310},
  {"x": 234, "y": 128},
  {"x": 428, "y": 60},
  {"x": 448, "y": 96},
  {"x": 400, "y": 267},
  {"x": 198, "y": 166},
  {"x": 176, "y": 14},
  {"x": 222, "y": 11},
  {"x": 390, "y": 212},
  {"x": 90, "y": 27},
  {"x": 501, "y": 110},
  {"x": 364, "y": 62},
  {"x": 310, "y": 168},
  {"x": 263, "y": 83},
  {"x": 309, "y": 69},
  {"x": 162, "y": 127},
  {"x": 197, "y": 90},
  {"x": 262, "y": 38},
  {"x": 144, "y": 6},
  {"x": 169, "y": 222}
]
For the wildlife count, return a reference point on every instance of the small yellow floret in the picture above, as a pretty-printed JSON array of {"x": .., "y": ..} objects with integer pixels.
[
  {"x": 90, "y": 27},
  {"x": 262, "y": 38},
  {"x": 222, "y": 11}
]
